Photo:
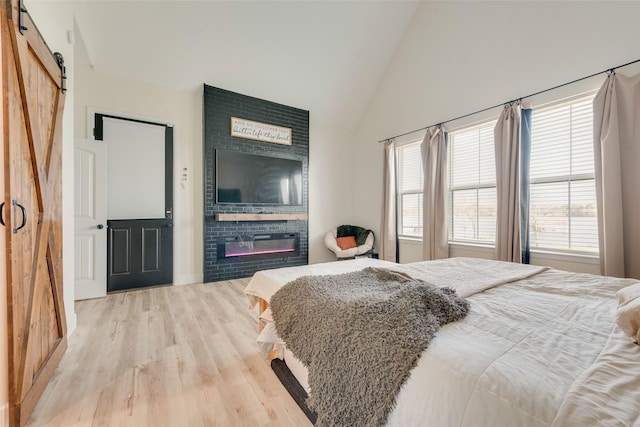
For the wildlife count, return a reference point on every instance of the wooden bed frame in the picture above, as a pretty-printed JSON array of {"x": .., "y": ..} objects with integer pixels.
[{"x": 262, "y": 306}]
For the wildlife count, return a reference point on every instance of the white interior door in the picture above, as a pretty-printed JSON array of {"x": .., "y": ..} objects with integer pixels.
[{"x": 90, "y": 219}]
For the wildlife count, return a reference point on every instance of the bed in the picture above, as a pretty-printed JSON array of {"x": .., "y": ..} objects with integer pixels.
[{"x": 539, "y": 347}]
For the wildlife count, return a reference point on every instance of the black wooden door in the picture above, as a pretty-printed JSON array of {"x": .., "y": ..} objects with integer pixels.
[{"x": 139, "y": 253}]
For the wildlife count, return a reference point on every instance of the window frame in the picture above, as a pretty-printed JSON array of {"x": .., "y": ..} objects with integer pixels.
[
  {"x": 567, "y": 179},
  {"x": 477, "y": 187},
  {"x": 590, "y": 257},
  {"x": 400, "y": 193}
]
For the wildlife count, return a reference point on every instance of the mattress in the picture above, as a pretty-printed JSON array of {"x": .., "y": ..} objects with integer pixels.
[
  {"x": 543, "y": 350},
  {"x": 297, "y": 368}
]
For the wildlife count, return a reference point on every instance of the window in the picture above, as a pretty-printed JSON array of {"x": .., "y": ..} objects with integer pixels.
[
  {"x": 563, "y": 201},
  {"x": 410, "y": 182},
  {"x": 562, "y": 210},
  {"x": 472, "y": 185}
]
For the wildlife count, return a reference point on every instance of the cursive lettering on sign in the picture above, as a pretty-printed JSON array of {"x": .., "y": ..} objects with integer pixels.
[{"x": 249, "y": 129}]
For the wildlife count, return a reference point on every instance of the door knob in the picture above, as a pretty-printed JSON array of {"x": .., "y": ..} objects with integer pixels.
[{"x": 100, "y": 226}]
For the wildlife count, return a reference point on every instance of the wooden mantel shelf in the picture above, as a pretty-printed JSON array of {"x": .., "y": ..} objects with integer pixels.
[{"x": 261, "y": 217}]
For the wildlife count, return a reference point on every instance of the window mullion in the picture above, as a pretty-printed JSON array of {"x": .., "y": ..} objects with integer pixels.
[
  {"x": 477, "y": 233},
  {"x": 569, "y": 212}
]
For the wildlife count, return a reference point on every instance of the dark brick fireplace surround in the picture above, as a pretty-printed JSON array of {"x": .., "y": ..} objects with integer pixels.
[{"x": 219, "y": 106}]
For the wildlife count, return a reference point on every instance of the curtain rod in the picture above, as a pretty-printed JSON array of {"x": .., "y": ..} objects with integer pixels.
[{"x": 608, "y": 70}]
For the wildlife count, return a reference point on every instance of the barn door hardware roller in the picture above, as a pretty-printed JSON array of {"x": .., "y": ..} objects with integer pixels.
[
  {"x": 60, "y": 60},
  {"x": 21, "y": 10}
]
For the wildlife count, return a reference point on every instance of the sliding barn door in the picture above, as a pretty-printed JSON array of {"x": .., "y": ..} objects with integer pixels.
[{"x": 32, "y": 208}]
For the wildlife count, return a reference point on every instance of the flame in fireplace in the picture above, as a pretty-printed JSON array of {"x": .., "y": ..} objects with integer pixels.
[{"x": 269, "y": 251}]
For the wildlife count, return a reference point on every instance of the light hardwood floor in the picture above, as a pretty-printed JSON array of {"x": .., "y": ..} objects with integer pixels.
[{"x": 169, "y": 356}]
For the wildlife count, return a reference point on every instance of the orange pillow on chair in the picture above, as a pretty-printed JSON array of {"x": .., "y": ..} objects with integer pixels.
[{"x": 346, "y": 242}]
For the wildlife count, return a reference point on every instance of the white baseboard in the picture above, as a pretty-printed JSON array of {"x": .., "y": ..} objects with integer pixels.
[
  {"x": 188, "y": 279},
  {"x": 322, "y": 260},
  {"x": 72, "y": 322},
  {"x": 4, "y": 415}
]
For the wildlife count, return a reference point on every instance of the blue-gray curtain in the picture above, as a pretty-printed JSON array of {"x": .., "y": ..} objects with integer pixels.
[{"x": 525, "y": 178}]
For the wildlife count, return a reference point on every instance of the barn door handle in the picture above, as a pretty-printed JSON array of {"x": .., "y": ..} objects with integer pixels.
[
  {"x": 1, "y": 211},
  {"x": 24, "y": 216}
]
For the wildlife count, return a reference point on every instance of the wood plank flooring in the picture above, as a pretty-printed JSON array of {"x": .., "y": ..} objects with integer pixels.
[{"x": 169, "y": 356}]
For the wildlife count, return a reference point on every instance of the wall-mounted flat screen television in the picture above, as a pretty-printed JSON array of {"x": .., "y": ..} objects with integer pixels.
[{"x": 243, "y": 178}]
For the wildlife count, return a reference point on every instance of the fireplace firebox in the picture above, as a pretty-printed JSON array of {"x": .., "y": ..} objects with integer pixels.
[{"x": 258, "y": 246}]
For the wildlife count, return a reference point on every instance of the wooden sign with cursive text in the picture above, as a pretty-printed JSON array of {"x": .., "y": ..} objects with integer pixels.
[{"x": 249, "y": 129}]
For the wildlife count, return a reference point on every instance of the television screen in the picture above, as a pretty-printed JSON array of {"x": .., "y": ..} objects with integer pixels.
[{"x": 243, "y": 178}]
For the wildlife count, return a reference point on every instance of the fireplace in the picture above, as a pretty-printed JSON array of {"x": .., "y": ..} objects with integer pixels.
[
  {"x": 258, "y": 246},
  {"x": 235, "y": 248}
]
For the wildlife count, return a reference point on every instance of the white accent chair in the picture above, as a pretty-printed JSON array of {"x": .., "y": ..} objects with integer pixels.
[{"x": 330, "y": 241}]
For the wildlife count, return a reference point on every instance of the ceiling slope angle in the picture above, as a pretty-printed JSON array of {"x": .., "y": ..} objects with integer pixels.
[{"x": 324, "y": 56}]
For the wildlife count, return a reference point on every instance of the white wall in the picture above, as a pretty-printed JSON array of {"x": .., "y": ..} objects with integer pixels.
[
  {"x": 129, "y": 98},
  {"x": 331, "y": 168},
  {"x": 459, "y": 57}
]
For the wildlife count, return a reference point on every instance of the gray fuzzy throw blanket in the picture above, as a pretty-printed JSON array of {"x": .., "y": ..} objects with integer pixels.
[{"x": 359, "y": 334}]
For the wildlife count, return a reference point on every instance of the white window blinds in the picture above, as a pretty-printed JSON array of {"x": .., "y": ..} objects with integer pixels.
[
  {"x": 410, "y": 183},
  {"x": 562, "y": 207},
  {"x": 563, "y": 202},
  {"x": 472, "y": 185}
]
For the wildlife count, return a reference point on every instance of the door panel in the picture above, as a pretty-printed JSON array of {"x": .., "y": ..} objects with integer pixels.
[
  {"x": 150, "y": 249},
  {"x": 90, "y": 201},
  {"x": 32, "y": 122},
  {"x": 119, "y": 250},
  {"x": 139, "y": 253}
]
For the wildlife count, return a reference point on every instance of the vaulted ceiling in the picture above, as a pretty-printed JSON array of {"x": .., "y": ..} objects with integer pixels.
[{"x": 323, "y": 56}]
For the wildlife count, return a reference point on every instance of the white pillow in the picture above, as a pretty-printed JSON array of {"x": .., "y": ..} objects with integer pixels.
[
  {"x": 629, "y": 293},
  {"x": 628, "y": 313}
]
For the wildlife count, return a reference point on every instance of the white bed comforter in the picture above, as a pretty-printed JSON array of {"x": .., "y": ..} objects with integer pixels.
[
  {"x": 467, "y": 276},
  {"x": 541, "y": 351},
  {"x": 265, "y": 283}
]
